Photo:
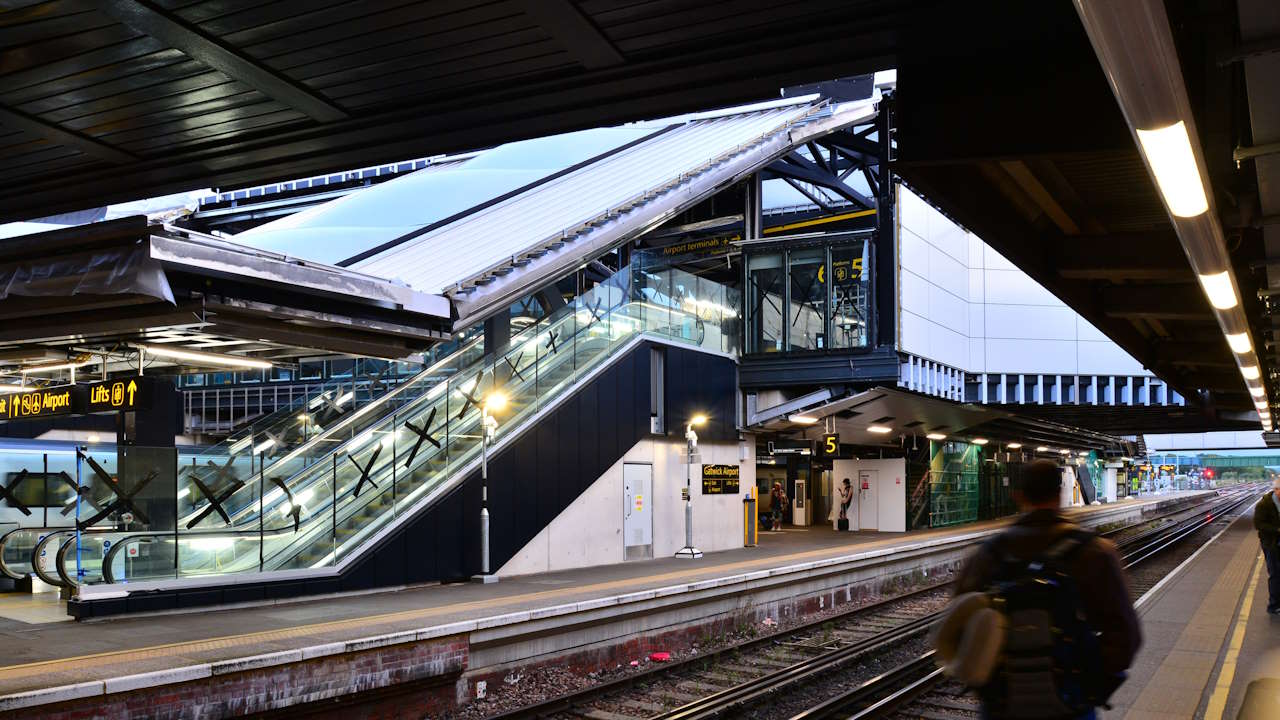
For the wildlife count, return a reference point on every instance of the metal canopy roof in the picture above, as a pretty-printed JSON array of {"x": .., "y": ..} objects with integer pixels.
[
  {"x": 910, "y": 414},
  {"x": 107, "y": 285},
  {"x": 103, "y": 101}
]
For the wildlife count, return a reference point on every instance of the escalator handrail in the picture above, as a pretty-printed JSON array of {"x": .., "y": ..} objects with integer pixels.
[
  {"x": 310, "y": 530},
  {"x": 4, "y": 540},
  {"x": 346, "y": 509},
  {"x": 349, "y": 508},
  {"x": 343, "y": 424}
]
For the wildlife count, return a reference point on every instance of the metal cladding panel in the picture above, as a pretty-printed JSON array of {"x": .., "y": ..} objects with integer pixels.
[{"x": 440, "y": 259}]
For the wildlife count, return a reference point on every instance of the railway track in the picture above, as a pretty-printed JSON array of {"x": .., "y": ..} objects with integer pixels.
[
  {"x": 918, "y": 689},
  {"x": 749, "y": 679}
]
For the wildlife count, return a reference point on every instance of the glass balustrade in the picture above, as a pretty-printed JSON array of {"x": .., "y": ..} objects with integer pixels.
[{"x": 281, "y": 513}]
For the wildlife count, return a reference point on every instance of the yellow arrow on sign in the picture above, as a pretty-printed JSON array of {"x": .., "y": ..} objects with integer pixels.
[{"x": 133, "y": 387}]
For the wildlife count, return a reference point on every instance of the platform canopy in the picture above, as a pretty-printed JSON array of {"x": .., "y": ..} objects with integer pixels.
[
  {"x": 911, "y": 417},
  {"x": 100, "y": 290}
]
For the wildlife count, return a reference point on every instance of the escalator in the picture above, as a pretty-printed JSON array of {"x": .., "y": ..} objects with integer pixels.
[
  {"x": 213, "y": 481},
  {"x": 325, "y": 512}
]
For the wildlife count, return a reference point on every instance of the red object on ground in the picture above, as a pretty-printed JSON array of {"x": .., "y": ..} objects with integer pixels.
[{"x": 660, "y": 656}]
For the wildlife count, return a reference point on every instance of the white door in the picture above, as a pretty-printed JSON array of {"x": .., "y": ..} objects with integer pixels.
[
  {"x": 637, "y": 518},
  {"x": 868, "y": 506}
]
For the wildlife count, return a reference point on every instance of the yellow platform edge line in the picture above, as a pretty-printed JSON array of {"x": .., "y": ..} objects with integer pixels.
[{"x": 1218, "y": 700}]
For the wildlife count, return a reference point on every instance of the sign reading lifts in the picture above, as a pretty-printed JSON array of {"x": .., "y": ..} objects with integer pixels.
[{"x": 123, "y": 395}]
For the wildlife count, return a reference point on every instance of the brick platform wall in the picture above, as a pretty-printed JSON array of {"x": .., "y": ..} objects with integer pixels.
[{"x": 431, "y": 667}]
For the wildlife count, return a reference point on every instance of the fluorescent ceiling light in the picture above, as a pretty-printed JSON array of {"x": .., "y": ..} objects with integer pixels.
[
  {"x": 1239, "y": 343},
  {"x": 1168, "y": 151},
  {"x": 1250, "y": 372},
  {"x": 1043, "y": 448},
  {"x": 197, "y": 356},
  {"x": 1064, "y": 451},
  {"x": 1257, "y": 391},
  {"x": 1218, "y": 288},
  {"x": 979, "y": 441},
  {"x": 55, "y": 366},
  {"x": 879, "y": 429},
  {"x": 804, "y": 419},
  {"x": 936, "y": 436},
  {"x": 5, "y": 387},
  {"x": 1014, "y": 446}
]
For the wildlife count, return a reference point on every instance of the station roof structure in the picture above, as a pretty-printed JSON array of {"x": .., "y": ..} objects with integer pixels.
[
  {"x": 489, "y": 230},
  {"x": 1005, "y": 117},
  {"x": 104, "y": 288},
  {"x": 104, "y": 101}
]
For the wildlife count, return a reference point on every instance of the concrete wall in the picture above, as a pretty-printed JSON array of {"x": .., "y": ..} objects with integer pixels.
[
  {"x": 965, "y": 305},
  {"x": 890, "y": 492},
  {"x": 589, "y": 531}
]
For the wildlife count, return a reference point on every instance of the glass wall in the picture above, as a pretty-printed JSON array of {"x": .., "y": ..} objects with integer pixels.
[
  {"x": 765, "y": 288},
  {"x": 808, "y": 298}
]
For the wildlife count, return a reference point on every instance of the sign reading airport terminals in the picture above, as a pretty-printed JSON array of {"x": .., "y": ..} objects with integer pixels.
[
  {"x": 42, "y": 403},
  {"x": 720, "y": 479}
]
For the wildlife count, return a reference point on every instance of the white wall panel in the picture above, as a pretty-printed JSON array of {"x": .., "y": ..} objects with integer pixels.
[
  {"x": 1014, "y": 287},
  {"x": 1031, "y": 322},
  {"x": 948, "y": 310},
  {"x": 914, "y": 293},
  {"x": 913, "y": 253},
  {"x": 948, "y": 273},
  {"x": 914, "y": 334},
  {"x": 1004, "y": 321},
  {"x": 1022, "y": 356},
  {"x": 948, "y": 346},
  {"x": 1106, "y": 358}
]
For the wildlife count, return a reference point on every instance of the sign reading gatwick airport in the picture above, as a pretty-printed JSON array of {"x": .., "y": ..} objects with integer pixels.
[{"x": 720, "y": 479}]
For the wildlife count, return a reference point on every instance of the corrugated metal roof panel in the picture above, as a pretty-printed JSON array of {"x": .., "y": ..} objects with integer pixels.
[{"x": 455, "y": 253}]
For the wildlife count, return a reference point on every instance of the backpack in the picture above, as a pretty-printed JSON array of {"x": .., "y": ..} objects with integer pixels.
[{"x": 1050, "y": 660}]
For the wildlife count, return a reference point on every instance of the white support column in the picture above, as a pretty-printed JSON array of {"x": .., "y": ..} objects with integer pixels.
[
  {"x": 1057, "y": 389},
  {"x": 1146, "y": 391},
  {"x": 1129, "y": 399},
  {"x": 1004, "y": 389},
  {"x": 1093, "y": 389},
  {"x": 982, "y": 392}
]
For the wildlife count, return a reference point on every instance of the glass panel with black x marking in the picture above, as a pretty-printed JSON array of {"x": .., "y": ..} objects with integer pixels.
[{"x": 274, "y": 513}]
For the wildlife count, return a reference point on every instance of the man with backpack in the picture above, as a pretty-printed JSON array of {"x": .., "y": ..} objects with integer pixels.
[
  {"x": 1042, "y": 624},
  {"x": 1266, "y": 520}
]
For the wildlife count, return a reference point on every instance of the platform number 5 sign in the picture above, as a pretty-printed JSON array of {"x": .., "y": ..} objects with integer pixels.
[{"x": 830, "y": 446}]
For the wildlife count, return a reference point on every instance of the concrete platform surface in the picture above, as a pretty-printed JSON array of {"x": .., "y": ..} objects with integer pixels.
[
  {"x": 1206, "y": 634},
  {"x": 43, "y": 654}
]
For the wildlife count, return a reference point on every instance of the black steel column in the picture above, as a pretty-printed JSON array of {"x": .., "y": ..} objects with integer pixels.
[
  {"x": 885, "y": 257},
  {"x": 497, "y": 332}
]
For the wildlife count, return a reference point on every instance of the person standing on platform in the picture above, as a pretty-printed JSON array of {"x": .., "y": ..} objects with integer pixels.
[
  {"x": 777, "y": 502},
  {"x": 1266, "y": 520},
  {"x": 1042, "y": 625}
]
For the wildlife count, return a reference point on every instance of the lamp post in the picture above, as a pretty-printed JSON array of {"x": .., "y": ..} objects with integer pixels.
[
  {"x": 689, "y": 552},
  {"x": 495, "y": 402}
]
